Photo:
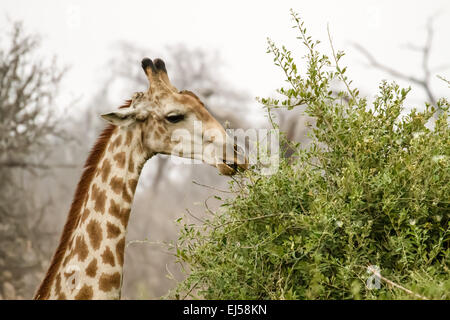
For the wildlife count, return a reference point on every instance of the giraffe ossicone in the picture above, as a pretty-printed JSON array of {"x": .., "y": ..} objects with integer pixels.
[{"x": 88, "y": 262}]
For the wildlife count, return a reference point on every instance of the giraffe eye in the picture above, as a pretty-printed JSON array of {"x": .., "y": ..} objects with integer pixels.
[{"x": 175, "y": 118}]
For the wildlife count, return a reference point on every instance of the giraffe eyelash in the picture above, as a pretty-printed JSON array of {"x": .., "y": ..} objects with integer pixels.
[{"x": 175, "y": 118}]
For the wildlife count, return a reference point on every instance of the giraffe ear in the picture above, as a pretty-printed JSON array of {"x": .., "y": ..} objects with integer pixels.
[{"x": 122, "y": 117}]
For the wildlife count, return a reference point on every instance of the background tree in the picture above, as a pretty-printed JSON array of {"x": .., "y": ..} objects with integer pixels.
[
  {"x": 28, "y": 131},
  {"x": 428, "y": 71}
]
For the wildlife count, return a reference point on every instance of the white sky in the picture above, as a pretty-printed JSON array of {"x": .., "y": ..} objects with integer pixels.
[{"x": 83, "y": 33}]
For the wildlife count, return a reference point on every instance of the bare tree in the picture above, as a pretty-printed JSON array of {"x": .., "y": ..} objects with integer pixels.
[
  {"x": 427, "y": 70},
  {"x": 28, "y": 130}
]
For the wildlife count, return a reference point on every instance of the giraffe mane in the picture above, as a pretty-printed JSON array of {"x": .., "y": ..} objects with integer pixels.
[{"x": 82, "y": 189}]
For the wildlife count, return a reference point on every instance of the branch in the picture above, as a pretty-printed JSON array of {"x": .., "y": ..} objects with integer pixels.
[
  {"x": 210, "y": 187},
  {"x": 425, "y": 50},
  {"x": 25, "y": 165},
  {"x": 378, "y": 274},
  {"x": 385, "y": 68}
]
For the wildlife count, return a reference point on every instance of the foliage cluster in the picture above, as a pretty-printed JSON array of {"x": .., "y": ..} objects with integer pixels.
[{"x": 371, "y": 190}]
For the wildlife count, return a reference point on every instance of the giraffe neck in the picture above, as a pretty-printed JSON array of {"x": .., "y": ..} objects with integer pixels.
[{"x": 88, "y": 264}]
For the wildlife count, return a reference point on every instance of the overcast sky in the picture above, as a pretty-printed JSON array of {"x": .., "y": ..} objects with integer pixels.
[{"x": 83, "y": 33}]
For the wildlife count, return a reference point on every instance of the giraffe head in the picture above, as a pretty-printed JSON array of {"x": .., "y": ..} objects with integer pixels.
[{"x": 177, "y": 123}]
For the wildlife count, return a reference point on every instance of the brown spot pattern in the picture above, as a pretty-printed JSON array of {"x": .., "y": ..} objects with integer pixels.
[
  {"x": 120, "y": 250},
  {"x": 119, "y": 213},
  {"x": 112, "y": 230},
  {"x": 85, "y": 293},
  {"x": 95, "y": 233},
  {"x": 99, "y": 196},
  {"x": 117, "y": 142},
  {"x": 108, "y": 257},
  {"x": 129, "y": 137},
  {"x": 81, "y": 249},
  {"x": 132, "y": 184},
  {"x": 86, "y": 213},
  {"x": 81, "y": 196},
  {"x": 91, "y": 269},
  {"x": 167, "y": 139},
  {"x": 126, "y": 196},
  {"x": 120, "y": 159},
  {"x": 109, "y": 281},
  {"x": 116, "y": 184},
  {"x": 131, "y": 164},
  {"x": 106, "y": 169},
  {"x": 69, "y": 274}
]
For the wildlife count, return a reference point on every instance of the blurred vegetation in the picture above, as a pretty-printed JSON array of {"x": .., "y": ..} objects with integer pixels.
[
  {"x": 370, "y": 190},
  {"x": 29, "y": 132}
]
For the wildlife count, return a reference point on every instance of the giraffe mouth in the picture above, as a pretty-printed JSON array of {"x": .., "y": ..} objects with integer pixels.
[
  {"x": 227, "y": 169},
  {"x": 232, "y": 163},
  {"x": 232, "y": 166},
  {"x": 230, "y": 169}
]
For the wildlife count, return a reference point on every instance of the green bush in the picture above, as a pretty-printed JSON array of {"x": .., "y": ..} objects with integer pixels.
[{"x": 372, "y": 190}]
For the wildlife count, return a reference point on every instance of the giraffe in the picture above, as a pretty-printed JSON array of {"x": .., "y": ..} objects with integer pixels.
[{"x": 88, "y": 262}]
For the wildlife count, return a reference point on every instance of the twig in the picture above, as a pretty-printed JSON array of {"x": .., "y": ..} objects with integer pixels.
[
  {"x": 144, "y": 241},
  {"x": 387, "y": 69},
  {"x": 377, "y": 274},
  {"x": 425, "y": 50},
  {"x": 250, "y": 219},
  {"x": 195, "y": 217},
  {"x": 191, "y": 289},
  {"x": 210, "y": 187},
  {"x": 207, "y": 207},
  {"x": 21, "y": 164},
  {"x": 172, "y": 277},
  {"x": 337, "y": 66}
]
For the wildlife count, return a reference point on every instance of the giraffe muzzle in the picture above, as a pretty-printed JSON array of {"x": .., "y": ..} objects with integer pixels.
[{"x": 239, "y": 163}]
